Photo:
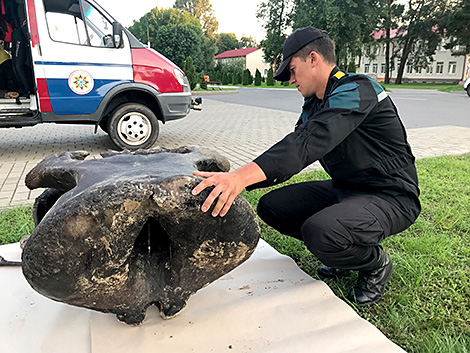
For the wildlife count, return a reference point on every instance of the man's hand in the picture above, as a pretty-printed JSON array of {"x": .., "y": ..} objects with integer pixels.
[{"x": 227, "y": 186}]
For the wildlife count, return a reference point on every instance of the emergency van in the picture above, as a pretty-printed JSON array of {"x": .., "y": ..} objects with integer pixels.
[{"x": 72, "y": 63}]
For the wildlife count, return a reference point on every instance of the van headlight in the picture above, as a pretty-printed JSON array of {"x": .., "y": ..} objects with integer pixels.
[{"x": 182, "y": 79}]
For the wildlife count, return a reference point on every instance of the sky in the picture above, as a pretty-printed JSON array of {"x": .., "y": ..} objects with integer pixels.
[{"x": 234, "y": 16}]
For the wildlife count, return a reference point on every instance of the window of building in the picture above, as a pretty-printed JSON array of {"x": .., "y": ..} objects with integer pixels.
[
  {"x": 409, "y": 69},
  {"x": 439, "y": 67},
  {"x": 452, "y": 67},
  {"x": 374, "y": 68},
  {"x": 382, "y": 68},
  {"x": 366, "y": 68}
]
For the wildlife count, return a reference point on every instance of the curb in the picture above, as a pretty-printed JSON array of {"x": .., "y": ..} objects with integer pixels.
[{"x": 213, "y": 92}]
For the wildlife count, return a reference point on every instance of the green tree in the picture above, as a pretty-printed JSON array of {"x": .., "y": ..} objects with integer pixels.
[
  {"x": 179, "y": 41},
  {"x": 455, "y": 24},
  {"x": 209, "y": 48},
  {"x": 146, "y": 27},
  {"x": 177, "y": 35},
  {"x": 190, "y": 72},
  {"x": 226, "y": 78},
  {"x": 202, "y": 10},
  {"x": 390, "y": 16},
  {"x": 247, "y": 42},
  {"x": 270, "y": 80},
  {"x": 276, "y": 15},
  {"x": 257, "y": 78},
  {"x": 418, "y": 34},
  {"x": 348, "y": 22},
  {"x": 237, "y": 77},
  {"x": 352, "y": 67},
  {"x": 227, "y": 41},
  {"x": 247, "y": 78}
]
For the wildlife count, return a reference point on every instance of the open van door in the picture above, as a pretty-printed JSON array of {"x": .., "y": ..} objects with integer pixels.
[{"x": 80, "y": 57}]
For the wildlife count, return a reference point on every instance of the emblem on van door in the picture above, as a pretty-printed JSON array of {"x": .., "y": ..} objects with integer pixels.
[{"x": 81, "y": 82}]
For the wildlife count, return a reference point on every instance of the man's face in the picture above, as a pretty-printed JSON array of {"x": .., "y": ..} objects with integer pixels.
[{"x": 302, "y": 74}]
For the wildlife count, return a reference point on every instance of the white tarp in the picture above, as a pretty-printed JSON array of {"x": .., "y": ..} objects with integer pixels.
[{"x": 265, "y": 305}]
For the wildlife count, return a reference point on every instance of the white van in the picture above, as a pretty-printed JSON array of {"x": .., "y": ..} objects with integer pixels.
[{"x": 72, "y": 63}]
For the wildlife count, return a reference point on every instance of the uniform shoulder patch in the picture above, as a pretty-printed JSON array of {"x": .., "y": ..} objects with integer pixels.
[{"x": 339, "y": 75}]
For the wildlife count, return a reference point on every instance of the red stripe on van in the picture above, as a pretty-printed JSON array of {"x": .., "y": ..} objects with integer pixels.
[
  {"x": 33, "y": 22},
  {"x": 43, "y": 92}
]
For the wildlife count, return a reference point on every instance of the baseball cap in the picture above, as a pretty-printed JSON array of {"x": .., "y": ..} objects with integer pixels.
[{"x": 296, "y": 41}]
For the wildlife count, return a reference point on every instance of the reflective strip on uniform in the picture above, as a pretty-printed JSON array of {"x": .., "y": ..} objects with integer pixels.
[{"x": 381, "y": 96}]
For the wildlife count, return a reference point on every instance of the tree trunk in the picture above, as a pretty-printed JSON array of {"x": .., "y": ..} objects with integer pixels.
[
  {"x": 387, "y": 44},
  {"x": 404, "y": 58}
]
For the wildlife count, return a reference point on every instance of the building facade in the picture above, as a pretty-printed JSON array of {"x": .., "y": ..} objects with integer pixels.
[
  {"x": 250, "y": 58},
  {"x": 443, "y": 68}
]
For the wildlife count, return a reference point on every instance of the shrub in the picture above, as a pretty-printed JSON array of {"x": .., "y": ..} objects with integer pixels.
[
  {"x": 190, "y": 72},
  {"x": 203, "y": 85},
  {"x": 236, "y": 78},
  {"x": 270, "y": 80},
  {"x": 247, "y": 78},
  {"x": 226, "y": 79},
  {"x": 285, "y": 83},
  {"x": 352, "y": 67},
  {"x": 257, "y": 78}
]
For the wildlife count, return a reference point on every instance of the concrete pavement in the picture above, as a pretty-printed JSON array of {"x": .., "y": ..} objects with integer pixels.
[{"x": 238, "y": 132}]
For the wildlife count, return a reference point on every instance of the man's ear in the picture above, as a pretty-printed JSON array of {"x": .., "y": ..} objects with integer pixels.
[{"x": 313, "y": 58}]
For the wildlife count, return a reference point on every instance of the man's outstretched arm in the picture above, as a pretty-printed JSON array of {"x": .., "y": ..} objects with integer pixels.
[{"x": 227, "y": 186}]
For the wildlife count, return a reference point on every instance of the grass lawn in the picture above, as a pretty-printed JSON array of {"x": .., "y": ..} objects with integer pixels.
[
  {"x": 426, "y": 308},
  {"x": 443, "y": 87}
]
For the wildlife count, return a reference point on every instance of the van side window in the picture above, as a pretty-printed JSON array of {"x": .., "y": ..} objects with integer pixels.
[
  {"x": 66, "y": 28},
  {"x": 69, "y": 23}
]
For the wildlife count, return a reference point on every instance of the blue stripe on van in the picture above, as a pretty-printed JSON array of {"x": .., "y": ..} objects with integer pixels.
[
  {"x": 65, "y": 102},
  {"x": 60, "y": 63}
]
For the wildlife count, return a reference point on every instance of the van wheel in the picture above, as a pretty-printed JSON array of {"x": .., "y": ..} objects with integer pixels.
[
  {"x": 468, "y": 90},
  {"x": 133, "y": 126}
]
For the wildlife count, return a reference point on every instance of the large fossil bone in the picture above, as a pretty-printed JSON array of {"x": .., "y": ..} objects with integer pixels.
[{"x": 120, "y": 233}]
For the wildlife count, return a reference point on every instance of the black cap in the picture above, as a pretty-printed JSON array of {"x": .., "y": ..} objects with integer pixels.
[{"x": 296, "y": 41}]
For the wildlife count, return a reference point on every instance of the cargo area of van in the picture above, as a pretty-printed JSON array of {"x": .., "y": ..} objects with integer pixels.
[{"x": 17, "y": 96}]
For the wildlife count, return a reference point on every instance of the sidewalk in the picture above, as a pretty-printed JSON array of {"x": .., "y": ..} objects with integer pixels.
[{"x": 238, "y": 132}]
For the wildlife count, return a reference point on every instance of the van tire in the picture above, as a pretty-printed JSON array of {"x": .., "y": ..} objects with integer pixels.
[
  {"x": 468, "y": 89},
  {"x": 133, "y": 126}
]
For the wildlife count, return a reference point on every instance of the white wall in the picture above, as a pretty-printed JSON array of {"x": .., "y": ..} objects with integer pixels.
[{"x": 255, "y": 61}]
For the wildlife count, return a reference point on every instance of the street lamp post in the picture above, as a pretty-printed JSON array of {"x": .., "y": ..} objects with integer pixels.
[{"x": 148, "y": 33}]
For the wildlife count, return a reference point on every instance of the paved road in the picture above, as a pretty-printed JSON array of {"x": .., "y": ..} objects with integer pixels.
[
  {"x": 240, "y": 132},
  {"x": 418, "y": 108}
]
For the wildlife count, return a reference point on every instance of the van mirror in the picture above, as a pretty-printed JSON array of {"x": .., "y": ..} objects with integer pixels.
[{"x": 117, "y": 34}]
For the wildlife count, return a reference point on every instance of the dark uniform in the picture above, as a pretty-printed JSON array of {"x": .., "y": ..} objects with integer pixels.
[{"x": 357, "y": 136}]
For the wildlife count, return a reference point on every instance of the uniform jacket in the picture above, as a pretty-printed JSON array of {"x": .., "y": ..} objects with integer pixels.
[{"x": 356, "y": 134}]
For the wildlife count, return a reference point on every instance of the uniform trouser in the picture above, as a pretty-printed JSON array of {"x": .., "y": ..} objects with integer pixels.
[{"x": 341, "y": 228}]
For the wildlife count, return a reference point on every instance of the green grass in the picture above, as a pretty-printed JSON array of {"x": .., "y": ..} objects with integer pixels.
[
  {"x": 426, "y": 308},
  {"x": 15, "y": 223},
  {"x": 443, "y": 87},
  {"x": 427, "y": 304}
]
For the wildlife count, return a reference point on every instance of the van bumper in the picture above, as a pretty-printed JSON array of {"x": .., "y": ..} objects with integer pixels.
[{"x": 175, "y": 105}]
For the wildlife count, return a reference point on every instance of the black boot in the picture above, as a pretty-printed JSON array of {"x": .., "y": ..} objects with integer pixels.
[
  {"x": 330, "y": 272},
  {"x": 371, "y": 284}
]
